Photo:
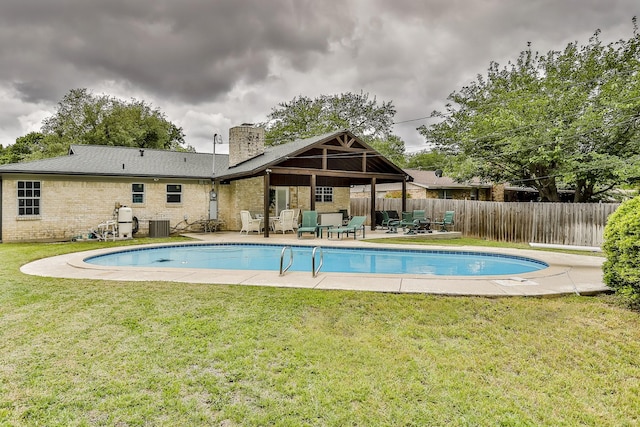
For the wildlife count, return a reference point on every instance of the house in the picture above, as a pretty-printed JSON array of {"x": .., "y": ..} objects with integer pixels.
[
  {"x": 434, "y": 185},
  {"x": 63, "y": 197},
  {"x": 430, "y": 185}
]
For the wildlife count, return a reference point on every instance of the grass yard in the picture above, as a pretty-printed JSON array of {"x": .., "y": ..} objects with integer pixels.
[{"x": 85, "y": 353}]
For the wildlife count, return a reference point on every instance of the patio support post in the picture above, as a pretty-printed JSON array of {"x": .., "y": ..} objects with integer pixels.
[
  {"x": 313, "y": 193},
  {"x": 267, "y": 185},
  {"x": 373, "y": 203},
  {"x": 404, "y": 194}
]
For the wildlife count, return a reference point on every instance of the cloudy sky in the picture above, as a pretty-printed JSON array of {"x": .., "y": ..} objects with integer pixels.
[{"x": 213, "y": 64}]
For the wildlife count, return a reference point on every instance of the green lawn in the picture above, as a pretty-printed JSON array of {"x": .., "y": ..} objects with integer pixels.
[{"x": 90, "y": 352}]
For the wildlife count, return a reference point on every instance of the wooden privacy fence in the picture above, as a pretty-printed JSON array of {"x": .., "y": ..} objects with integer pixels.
[{"x": 579, "y": 224}]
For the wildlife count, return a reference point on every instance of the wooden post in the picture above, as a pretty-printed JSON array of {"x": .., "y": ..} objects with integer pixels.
[
  {"x": 404, "y": 195},
  {"x": 373, "y": 203},
  {"x": 267, "y": 187},
  {"x": 312, "y": 202}
]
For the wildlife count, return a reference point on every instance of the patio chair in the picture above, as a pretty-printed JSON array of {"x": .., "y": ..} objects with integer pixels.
[
  {"x": 309, "y": 223},
  {"x": 406, "y": 221},
  {"x": 356, "y": 223},
  {"x": 419, "y": 214},
  {"x": 250, "y": 224},
  {"x": 385, "y": 220},
  {"x": 296, "y": 219},
  {"x": 284, "y": 222},
  {"x": 447, "y": 220}
]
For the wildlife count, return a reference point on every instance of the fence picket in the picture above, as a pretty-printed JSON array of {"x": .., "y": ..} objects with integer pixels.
[{"x": 579, "y": 224}]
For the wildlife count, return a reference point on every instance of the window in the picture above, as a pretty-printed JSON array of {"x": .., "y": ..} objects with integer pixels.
[
  {"x": 28, "y": 198},
  {"x": 174, "y": 193},
  {"x": 137, "y": 193},
  {"x": 324, "y": 194},
  {"x": 445, "y": 194}
]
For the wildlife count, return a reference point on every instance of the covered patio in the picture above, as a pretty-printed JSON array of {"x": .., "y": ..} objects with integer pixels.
[{"x": 336, "y": 160}]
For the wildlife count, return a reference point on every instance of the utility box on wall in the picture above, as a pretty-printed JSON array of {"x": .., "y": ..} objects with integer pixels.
[{"x": 159, "y": 228}]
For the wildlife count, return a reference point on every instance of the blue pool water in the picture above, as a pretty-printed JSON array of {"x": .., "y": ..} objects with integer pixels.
[{"x": 343, "y": 260}]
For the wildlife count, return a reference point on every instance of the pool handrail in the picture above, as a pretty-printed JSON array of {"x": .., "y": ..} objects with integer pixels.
[
  {"x": 282, "y": 259},
  {"x": 315, "y": 272}
]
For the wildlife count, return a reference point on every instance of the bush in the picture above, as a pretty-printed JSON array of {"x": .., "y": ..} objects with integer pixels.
[{"x": 622, "y": 249}]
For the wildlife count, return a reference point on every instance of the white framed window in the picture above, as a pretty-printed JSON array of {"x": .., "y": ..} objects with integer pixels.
[
  {"x": 324, "y": 194},
  {"x": 29, "y": 198},
  {"x": 137, "y": 193},
  {"x": 174, "y": 193}
]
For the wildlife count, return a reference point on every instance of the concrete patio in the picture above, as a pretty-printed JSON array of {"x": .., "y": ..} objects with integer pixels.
[{"x": 566, "y": 274}]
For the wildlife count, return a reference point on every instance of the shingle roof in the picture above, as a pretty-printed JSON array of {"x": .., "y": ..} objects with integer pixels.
[
  {"x": 128, "y": 161},
  {"x": 122, "y": 161},
  {"x": 429, "y": 179},
  {"x": 274, "y": 154}
]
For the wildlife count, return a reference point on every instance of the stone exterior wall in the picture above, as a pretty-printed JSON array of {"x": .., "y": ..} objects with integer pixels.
[
  {"x": 71, "y": 206},
  {"x": 248, "y": 194},
  {"x": 245, "y": 194},
  {"x": 245, "y": 142},
  {"x": 497, "y": 193}
]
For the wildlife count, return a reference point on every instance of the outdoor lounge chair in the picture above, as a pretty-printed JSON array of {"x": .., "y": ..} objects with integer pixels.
[
  {"x": 284, "y": 222},
  {"x": 249, "y": 223},
  {"x": 309, "y": 223},
  {"x": 356, "y": 223},
  {"x": 447, "y": 220}
]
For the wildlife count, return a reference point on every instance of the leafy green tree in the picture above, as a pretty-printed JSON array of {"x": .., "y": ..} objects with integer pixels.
[
  {"x": 567, "y": 117},
  {"x": 303, "y": 117},
  {"x": 391, "y": 147},
  {"x": 427, "y": 160},
  {"x": 84, "y": 118},
  {"x": 23, "y": 149}
]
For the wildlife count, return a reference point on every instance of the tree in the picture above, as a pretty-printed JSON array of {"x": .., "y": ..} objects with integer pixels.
[
  {"x": 84, "y": 118},
  {"x": 567, "y": 117},
  {"x": 392, "y": 147},
  {"x": 303, "y": 117},
  {"x": 427, "y": 160},
  {"x": 23, "y": 149}
]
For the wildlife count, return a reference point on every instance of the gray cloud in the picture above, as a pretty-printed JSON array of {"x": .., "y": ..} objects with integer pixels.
[{"x": 211, "y": 64}]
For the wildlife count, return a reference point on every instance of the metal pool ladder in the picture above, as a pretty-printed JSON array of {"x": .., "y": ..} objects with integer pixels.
[
  {"x": 284, "y": 249},
  {"x": 314, "y": 271}
]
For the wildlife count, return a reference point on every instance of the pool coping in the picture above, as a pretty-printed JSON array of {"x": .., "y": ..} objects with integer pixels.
[{"x": 566, "y": 274}]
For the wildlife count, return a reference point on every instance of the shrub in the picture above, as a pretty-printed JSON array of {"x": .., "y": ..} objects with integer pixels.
[
  {"x": 622, "y": 249},
  {"x": 397, "y": 194}
]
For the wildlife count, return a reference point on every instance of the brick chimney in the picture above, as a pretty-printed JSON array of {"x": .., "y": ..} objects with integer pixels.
[{"x": 245, "y": 142}]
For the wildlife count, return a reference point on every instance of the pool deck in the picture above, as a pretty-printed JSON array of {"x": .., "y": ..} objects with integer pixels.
[{"x": 566, "y": 274}]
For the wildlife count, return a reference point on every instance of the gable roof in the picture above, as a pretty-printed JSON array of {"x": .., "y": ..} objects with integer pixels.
[
  {"x": 99, "y": 160},
  {"x": 345, "y": 151},
  {"x": 431, "y": 180}
]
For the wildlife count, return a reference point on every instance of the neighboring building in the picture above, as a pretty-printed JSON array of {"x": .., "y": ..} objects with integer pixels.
[
  {"x": 429, "y": 185},
  {"x": 63, "y": 197},
  {"x": 434, "y": 185}
]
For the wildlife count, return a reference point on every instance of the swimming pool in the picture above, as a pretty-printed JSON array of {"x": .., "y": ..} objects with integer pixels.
[{"x": 229, "y": 256}]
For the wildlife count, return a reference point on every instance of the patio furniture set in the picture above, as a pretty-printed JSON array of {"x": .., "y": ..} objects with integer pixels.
[{"x": 415, "y": 222}]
